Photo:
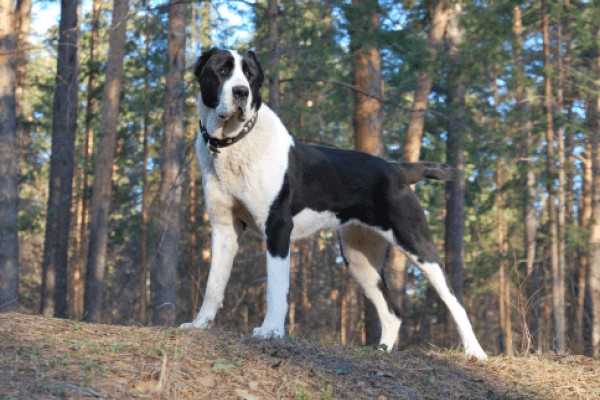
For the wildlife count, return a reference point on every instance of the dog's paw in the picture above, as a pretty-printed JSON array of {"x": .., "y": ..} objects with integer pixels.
[
  {"x": 268, "y": 332},
  {"x": 475, "y": 352},
  {"x": 198, "y": 324}
]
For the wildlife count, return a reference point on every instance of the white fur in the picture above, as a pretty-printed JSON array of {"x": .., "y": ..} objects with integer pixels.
[
  {"x": 224, "y": 245},
  {"x": 434, "y": 274},
  {"x": 308, "y": 222},
  {"x": 278, "y": 284},
  {"x": 365, "y": 254},
  {"x": 226, "y": 105}
]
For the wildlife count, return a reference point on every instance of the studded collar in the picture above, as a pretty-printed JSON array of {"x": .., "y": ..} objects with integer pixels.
[{"x": 214, "y": 144}]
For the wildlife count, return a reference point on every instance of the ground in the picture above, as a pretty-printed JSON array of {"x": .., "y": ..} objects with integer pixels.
[{"x": 53, "y": 358}]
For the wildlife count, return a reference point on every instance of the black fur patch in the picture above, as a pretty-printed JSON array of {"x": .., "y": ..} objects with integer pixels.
[
  {"x": 358, "y": 186},
  {"x": 279, "y": 223},
  {"x": 391, "y": 303}
]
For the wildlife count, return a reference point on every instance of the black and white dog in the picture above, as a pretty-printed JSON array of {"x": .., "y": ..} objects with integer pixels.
[{"x": 255, "y": 176}]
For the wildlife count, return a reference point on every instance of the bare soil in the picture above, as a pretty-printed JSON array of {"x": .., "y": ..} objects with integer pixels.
[{"x": 53, "y": 358}]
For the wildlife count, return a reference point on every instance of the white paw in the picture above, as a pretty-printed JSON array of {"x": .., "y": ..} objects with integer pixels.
[
  {"x": 268, "y": 332},
  {"x": 475, "y": 351},
  {"x": 197, "y": 324}
]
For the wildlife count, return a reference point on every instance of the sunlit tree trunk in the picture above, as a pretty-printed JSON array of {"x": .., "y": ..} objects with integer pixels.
[
  {"x": 22, "y": 29},
  {"x": 368, "y": 110},
  {"x": 593, "y": 122},
  {"x": 9, "y": 163},
  {"x": 504, "y": 292},
  {"x": 523, "y": 116},
  {"x": 143, "y": 286},
  {"x": 77, "y": 277},
  {"x": 64, "y": 122},
  {"x": 416, "y": 122},
  {"x": 558, "y": 304},
  {"x": 104, "y": 161},
  {"x": 164, "y": 279},
  {"x": 273, "y": 42},
  {"x": 456, "y": 126}
]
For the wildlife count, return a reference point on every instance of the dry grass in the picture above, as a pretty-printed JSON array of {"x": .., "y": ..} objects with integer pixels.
[{"x": 51, "y": 358}]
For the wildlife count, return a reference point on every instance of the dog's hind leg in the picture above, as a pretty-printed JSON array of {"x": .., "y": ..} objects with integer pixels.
[
  {"x": 412, "y": 235},
  {"x": 364, "y": 252},
  {"x": 224, "y": 246}
]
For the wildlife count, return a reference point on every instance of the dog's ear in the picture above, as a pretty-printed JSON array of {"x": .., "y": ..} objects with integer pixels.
[
  {"x": 202, "y": 60},
  {"x": 260, "y": 75}
]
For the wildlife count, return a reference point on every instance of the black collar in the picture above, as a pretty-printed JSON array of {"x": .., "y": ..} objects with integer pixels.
[{"x": 214, "y": 144}]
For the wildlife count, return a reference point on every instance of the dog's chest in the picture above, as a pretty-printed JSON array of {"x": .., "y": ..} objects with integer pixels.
[{"x": 246, "y": 181}]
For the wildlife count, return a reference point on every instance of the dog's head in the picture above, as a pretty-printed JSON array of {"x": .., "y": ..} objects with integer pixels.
[{"x": 230, "y": 83}]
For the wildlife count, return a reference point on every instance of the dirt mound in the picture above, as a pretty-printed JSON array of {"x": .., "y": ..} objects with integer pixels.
[{"x": 52, "y": 358}]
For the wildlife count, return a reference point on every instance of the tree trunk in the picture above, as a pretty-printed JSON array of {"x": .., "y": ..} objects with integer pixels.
[
  {"x": 504, "y": 300},
  {"x": 143, "y": 286},
  {"x": 165, "y": 276},
  {"x": 273, "y": 42},
  {"x": 64, "y": 123},
  {"x": 593, "y": 121},
  {"x": 455, "y": 189},
  {"x": 22, "y": 28},
  {"x": 9, "y": 163},
  {"x": 523, "y": 116},
  {"x": 416, "y": 122},
  {"x": 558, "y": 305},
  {"x": 78, "y": 282},
  {"x": 368, "y": 111},
  {"x": 585, "y": 218},
  {"x": 104, "y": 160}
]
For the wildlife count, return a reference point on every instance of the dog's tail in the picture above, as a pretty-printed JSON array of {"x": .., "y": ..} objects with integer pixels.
[{"x": 415, "y": 172}]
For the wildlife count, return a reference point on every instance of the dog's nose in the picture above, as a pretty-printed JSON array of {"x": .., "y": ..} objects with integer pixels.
[{"x": 240, "y": 92}]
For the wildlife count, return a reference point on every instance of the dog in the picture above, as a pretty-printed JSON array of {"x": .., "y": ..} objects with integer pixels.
[{"x": 257, "y": 177}]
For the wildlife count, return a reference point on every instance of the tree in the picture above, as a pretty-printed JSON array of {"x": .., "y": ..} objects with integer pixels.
[
  {"x": 524, "y": 128},
  {"x": 101, "y": 194},
  {"x": 368, "y": 110},
  {"x": 558, "y": 284},
  {"x": 593, "y": 122},
  {"x": 64, "y": 123},
  {"x": 273, "y": 41},
  {"x": 9, "y": 163},
  {"x": 164, "y": 278},
  {"x": 457, "y": 124},
  {"x": 416, "y": 123},
  {"x": 78, "y": 278}
]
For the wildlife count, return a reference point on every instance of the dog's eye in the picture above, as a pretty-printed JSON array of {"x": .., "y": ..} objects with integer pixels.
[
  {"x": 247, "y": 71},
  {"x": 221, "y": 71}
]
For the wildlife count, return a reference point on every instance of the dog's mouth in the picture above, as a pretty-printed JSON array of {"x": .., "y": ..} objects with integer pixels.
[{"x": 239, "y": 113}]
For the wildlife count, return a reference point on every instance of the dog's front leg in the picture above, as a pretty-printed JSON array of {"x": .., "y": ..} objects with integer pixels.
[
  {"x": 279, "y": 229},
  {"x": 224, "y": 246}
]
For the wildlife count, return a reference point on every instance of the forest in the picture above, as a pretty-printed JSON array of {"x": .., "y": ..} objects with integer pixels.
[{"x": 102, "y": 216}]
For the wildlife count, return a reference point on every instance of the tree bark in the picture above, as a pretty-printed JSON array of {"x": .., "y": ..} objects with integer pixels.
[
  {"x": 558, "y": 304},
  {"x": 104, "y": 160},
  {"x": 165, "y": 276},
  {"x": 455, "y": 189},
  {"x": 524, "y": 130},
  {"x": 143, "y": 286},
  {"x": 9, "y": 163},
  {"x": 504, "y": 298},
  {"x": 78, "y": 276},
  {"x": 64, "y": 122},
  {"x": 416, "y": 123},
  {"x": 273, "y": 42},
  {"x": 22, "y": 28},
  {"x": 593, "y": 122},
  {"x": 368, "y": 111}
]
